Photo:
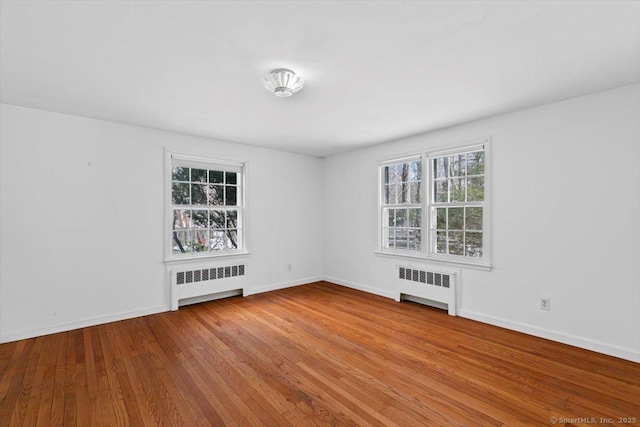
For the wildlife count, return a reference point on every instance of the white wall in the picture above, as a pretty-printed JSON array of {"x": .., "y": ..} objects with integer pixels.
[
  {"x": 565, "y": 221},
  {"x": 82, "y": 219},
  {"x": 82, "y": 244}
]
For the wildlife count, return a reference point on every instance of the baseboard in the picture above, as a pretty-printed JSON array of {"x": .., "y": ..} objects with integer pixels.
[
  {"x": 64, "y": 327},
  {"x": 359, "y": 287},
  {"x": 282, "y": 285},
  {"x": 599, "y": 347},
  {"x": 576, "y": 341}
]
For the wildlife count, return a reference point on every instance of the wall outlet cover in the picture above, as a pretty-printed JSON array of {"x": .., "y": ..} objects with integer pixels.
[{"x": 545, "y": 304}]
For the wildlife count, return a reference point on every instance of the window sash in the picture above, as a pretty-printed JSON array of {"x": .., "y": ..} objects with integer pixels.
[
  {"x": 408, "y": 245},
  {"x": 453, "y": 242}
]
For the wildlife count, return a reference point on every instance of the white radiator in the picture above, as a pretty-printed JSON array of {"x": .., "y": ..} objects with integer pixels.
[
  {"x": 196, "y": 281},
  {"x": 427, "y": 284}
]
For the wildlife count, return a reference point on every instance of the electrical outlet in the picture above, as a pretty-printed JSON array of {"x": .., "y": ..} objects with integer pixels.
[
  {"x": 288, "y": 267},
  {"x": 545, "y": 304}
]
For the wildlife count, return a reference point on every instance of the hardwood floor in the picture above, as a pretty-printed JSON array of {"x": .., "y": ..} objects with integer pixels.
[{"x": 318, "y": 354}]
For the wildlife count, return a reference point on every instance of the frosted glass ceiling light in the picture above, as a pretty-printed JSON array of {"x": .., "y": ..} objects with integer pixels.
[{"x": 282, "y": 82}]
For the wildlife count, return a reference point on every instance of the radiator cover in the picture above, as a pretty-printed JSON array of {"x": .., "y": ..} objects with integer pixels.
[
  {"x": 206, "y": 279},
  {"x": 428, "y": 284}
]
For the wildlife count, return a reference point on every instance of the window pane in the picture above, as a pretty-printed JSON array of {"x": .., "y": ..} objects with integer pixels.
[
  {"x": 456, "y": 218},
  {"x": 458, "y": 165},
  {"x": 473, "y": 244},
  {"x": 456, "y": 243},
  {"x": 441, "y": 189},
  {"x": 198, "y": 194},
  {"x": 401, "y": 217},
  {"x": 475, "y": 163},
  {"x": 180, "y": 219},
  {"x": 401, "y": 238},
  {"x": 191, "y": 240},
  {"x": 180, "y": 194},
  {"x": 217, "y": 240},
  {"x": 231, "y": 195},
  {"x": 415, "y": 218},
  {"x": 473, "y": 219},
  {"x": 415, "y": 171},
  {"x": 200, "y": 218},
  {"x": 393, "y": 174},
  {"x": 232, "y": 219},
  {"x": 216, "y": 194},
  {"x": 232, "y": 178},
  {"x": 403, "y": 193},
  {"x": 198, "y": 175},
  {"x": 441, "y": 218},
  {"x": 441, "y": 166},
  {"x": 457, "y": 189},
  {"x": 415, "y": 239},
  {"x": 393, "y": 194},
  {"x": 181, "y": 242},
  {"x": 441, "y": 242},
  {"x": 414, "y": 192},
  {"x": 390, "y": 217},
  {"x": 216, "y": 177},
  {"x": 180, "y": 174},
  {"x": 232, "y": 239},
  {"x": 216, "y": 219},
  {"x": 476, "y": 189},
  {"x": 200, "y": 241},
  {"x": 403, "y": 171}
]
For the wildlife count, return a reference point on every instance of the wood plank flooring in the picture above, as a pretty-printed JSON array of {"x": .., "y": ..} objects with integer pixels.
[{"x": 313, "y": 355}]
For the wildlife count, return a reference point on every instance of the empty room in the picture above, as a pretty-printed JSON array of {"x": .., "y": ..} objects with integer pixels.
[{"x": 314, "y": 213}]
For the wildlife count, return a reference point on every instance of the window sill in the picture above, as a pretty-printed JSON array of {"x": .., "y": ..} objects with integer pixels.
[
  {"x": 201, "y": 258},
  {"x": 474, "y": 266}
]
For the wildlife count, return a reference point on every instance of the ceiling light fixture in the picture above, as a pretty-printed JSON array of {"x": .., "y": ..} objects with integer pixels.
[{"x": 282, "y": 82}]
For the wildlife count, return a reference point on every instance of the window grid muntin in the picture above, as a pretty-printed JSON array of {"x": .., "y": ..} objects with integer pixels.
[
  {"x": 218, "y": 238},
  {"x": 451, "y": 230},
  {"x": 444, "y": 163},
  {"x": 404, "y": 237}
]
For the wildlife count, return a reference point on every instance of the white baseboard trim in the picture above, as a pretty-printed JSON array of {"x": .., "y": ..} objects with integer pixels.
[
  {"x": 282, "y": 285},
  {"x": 576, "y": 341},
  {"x": 599, "y": 347},
  {"x": 359, "y": 287},
  {"x": 64, "y": 327}
]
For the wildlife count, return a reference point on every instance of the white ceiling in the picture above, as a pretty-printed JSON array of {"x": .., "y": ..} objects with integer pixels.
[{"x": 375, "y": 71}]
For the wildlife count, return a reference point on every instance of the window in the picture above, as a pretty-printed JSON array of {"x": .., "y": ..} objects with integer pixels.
[
  {"x": 445, "y": 219},
  {"x": 206, "y": 213}
]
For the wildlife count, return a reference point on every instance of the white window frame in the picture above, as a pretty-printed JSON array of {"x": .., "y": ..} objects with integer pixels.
[
  {"x": 173, "y": 158},
  {"x": 427, "y": 252}
]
